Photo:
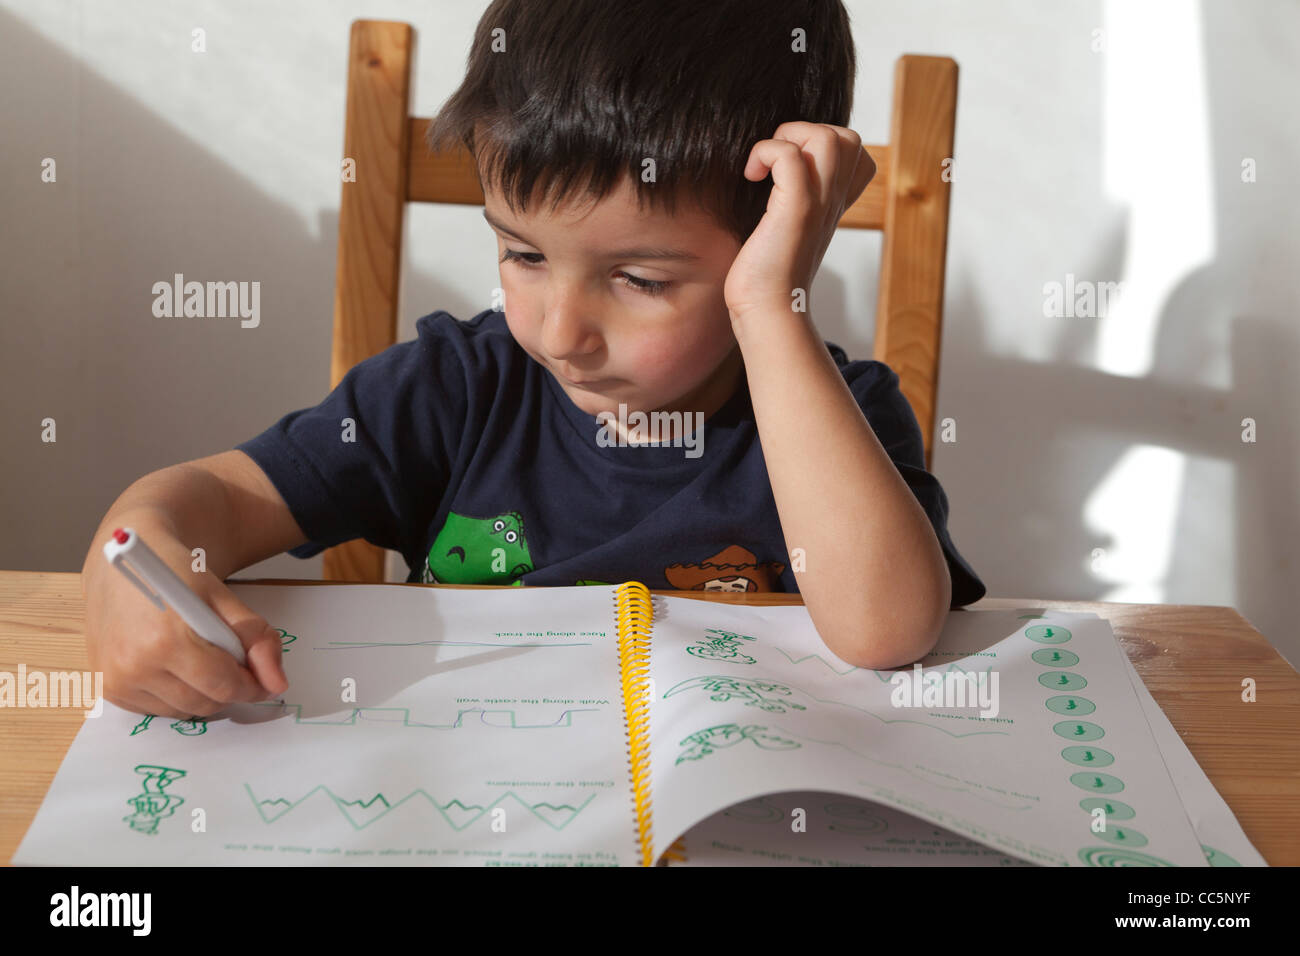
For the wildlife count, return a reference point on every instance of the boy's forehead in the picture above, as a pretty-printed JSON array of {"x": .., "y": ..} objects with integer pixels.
[
  {"x": 618, "y": 207},
  {"x": 616, "y": 217}
]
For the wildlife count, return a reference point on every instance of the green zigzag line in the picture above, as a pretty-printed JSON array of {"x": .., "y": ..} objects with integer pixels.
[
  {"x": 340, "y": 803},
  {"x": 351, "y": 720}
]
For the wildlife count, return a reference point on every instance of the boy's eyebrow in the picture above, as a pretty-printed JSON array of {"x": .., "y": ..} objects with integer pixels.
[{"x": 641, "y": 253}]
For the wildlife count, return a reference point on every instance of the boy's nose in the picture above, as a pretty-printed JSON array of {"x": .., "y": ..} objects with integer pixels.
[{"x": 569, "y": 331}]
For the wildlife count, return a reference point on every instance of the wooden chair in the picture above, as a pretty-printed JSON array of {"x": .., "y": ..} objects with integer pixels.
[{"x": 908, "y": 200}]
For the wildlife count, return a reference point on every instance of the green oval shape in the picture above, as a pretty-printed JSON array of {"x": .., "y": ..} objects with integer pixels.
[
  {"x": 1122, "y": 836},
  {"x": 1110, "y": 856},
  {"x": 1097, "y": 782},
  {"x": 1050, "y": 657},
  {"x": 1047, "y": 634},
  {"x": 1078, "y": 730},
  {"x": 1062, "y": 680},
  {"x": 1070, "y": 705},
  {"x": 1088, "y": 756},
  {"x": 1114, "y": 809}
]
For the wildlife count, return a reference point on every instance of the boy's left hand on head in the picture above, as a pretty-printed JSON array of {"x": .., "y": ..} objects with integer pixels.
[{"x": 818, "y": 171}]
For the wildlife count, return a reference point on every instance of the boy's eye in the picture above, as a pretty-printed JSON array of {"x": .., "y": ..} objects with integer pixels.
[{"x": 529, "y": 259}]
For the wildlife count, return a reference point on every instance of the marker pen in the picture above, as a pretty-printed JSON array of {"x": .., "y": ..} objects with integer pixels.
[{"x": 127, "y": 547}]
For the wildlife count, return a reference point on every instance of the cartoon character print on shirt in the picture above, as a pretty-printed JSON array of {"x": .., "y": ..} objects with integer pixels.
[
  {"x": 469, "y": 550},
  {"x": 732, "y": 569}
]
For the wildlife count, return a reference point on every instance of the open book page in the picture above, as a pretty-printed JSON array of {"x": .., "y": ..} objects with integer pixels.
[
  {"x": 825, "y": 829},
  {"x": 748, "y": 701},
  {"x": 420, "y": 727},
  {"x": 805, "y": 828},
  {"x": 1221, "y": 836}
]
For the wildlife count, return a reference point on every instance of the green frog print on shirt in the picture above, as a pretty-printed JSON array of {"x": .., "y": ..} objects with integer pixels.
[{"x": 469, "y": 550}]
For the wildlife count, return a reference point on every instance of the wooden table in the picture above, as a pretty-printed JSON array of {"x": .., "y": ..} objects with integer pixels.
[{"x": 1192, "y": 659}]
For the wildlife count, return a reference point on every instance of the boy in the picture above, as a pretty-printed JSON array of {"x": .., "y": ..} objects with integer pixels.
[{"x": 646, "y": 265}]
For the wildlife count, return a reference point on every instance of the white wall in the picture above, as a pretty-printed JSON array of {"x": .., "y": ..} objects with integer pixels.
[{"x": 1097, "y": 458}]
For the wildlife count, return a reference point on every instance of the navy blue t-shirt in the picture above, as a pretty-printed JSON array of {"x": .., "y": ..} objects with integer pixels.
[{"x": 467, "y": 457}]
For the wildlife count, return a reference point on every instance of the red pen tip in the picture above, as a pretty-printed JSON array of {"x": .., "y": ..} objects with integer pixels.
[{"x": 120, "y": 536}]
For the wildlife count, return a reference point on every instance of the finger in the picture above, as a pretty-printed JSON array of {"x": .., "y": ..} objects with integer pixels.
[
  {"x": 261, "y": 641},
  {"x": 856, "y": 166},
  {"x": 266, "y": 661},
  {"x": 823, "y": 146},
  {"x": 182, "y": 699},
  {"x": 792, "y": 183},
  {"x": 214, "y": 673},
  {"x": 864, "y": 170},
  {"x": 145, "y": 704}
]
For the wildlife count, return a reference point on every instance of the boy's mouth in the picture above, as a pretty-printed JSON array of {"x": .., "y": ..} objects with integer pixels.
[{"x": 590, "y": 383}]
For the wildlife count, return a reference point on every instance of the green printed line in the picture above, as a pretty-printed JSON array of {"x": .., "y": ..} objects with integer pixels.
[
  {"x": 359, "y": 713},
  {"x": 342, "y": 805},
  {"x": 345, "y": 645}
]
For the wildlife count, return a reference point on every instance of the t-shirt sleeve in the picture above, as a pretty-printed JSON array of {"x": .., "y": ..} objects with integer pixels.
[
  {"x": 374, "y": 458},
  {"x": 875, "y": 386}
]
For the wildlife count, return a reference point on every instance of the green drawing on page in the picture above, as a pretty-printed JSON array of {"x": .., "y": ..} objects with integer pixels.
[
  {"x": 1217, "y": 857},
  {"x": 457, "y": 814},
  {"x": 402, "y": 716},
  {"x": 755, "y": 693},
  {"x": 1111, "y": 856},
  {"x": 286, "y": 639},
  {"x": 704, "y": 742},
  {"x": 152, "y": 804},
  {"x": 725, "y": 648},
  {"x": 190, "y": 728},
  {"x": 467, "y": 550},
  {"x": 726, "y": 692}
]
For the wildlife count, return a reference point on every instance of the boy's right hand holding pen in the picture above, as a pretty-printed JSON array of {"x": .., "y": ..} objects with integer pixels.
[{"x": 149, "y": 648}]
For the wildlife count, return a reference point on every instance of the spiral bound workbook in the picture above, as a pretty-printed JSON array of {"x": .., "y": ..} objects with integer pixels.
[{"x": 603, "y": 725}]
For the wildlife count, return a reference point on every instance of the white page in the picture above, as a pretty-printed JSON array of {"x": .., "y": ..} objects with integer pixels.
[
  {"x": 805, "y": 720},
  {"x": 837, "y": 830},
  {"x": 1216, "y": 826},
  {"x": 805, "y": 828},
  {"x": 474, "y": 711}
]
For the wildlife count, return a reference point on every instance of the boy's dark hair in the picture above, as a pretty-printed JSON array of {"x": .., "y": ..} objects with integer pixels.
[{"x": 586, "y": 90}]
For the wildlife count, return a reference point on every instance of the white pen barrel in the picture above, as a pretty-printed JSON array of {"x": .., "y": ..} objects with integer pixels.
[{"x": 192, "y": 609}]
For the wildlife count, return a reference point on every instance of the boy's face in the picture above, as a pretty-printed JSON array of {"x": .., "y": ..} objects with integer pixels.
[{"x": 574, "y": 304}]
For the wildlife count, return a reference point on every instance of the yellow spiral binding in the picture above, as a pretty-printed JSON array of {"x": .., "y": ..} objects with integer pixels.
[{"x": 635, "y": 616}]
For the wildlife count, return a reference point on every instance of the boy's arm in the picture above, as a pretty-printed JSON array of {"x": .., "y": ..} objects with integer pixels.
[
  {"x": 224, "y": 504},
  {"x": 876, "y": 583}
]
